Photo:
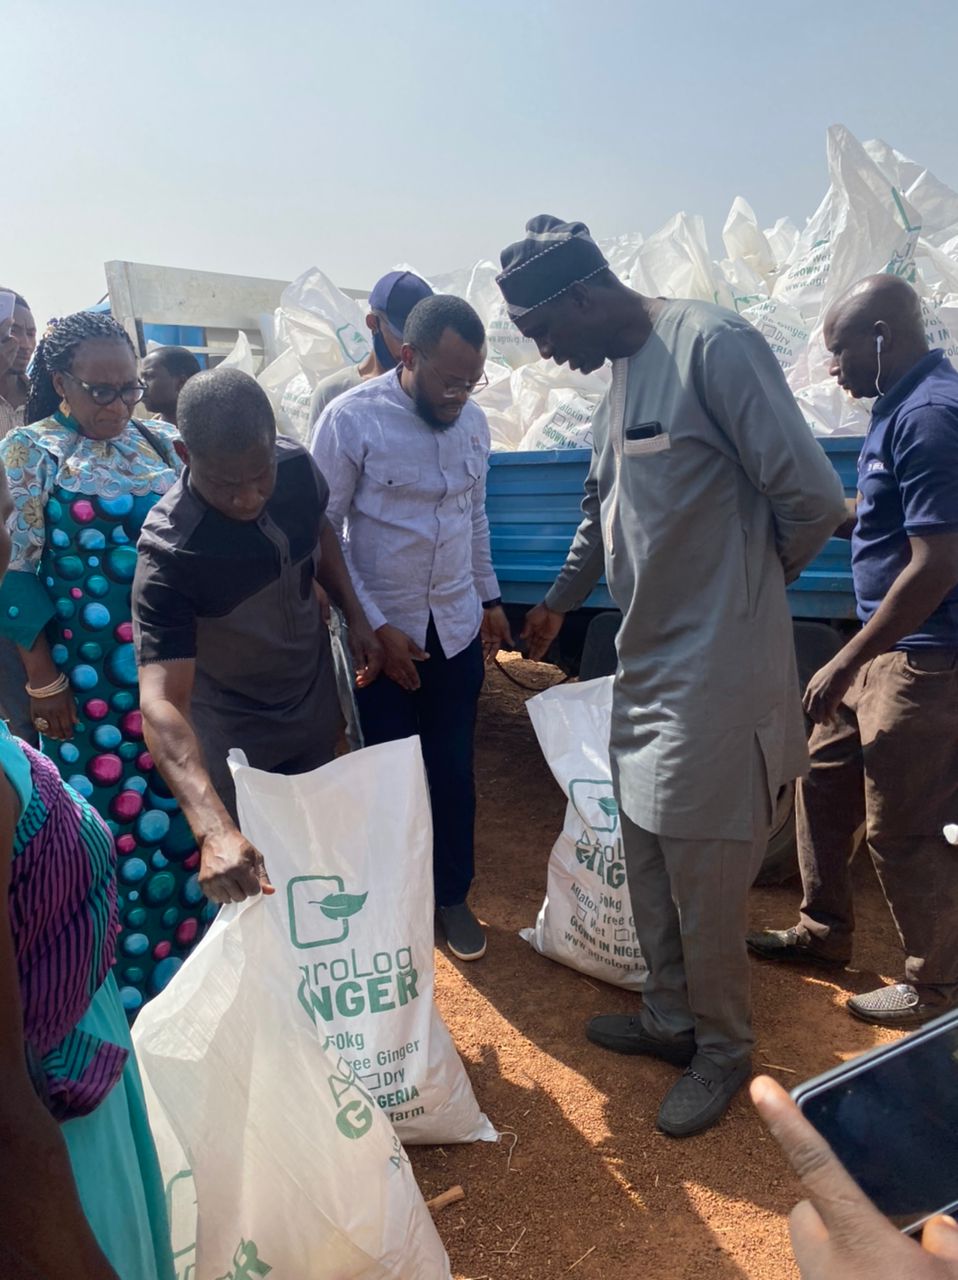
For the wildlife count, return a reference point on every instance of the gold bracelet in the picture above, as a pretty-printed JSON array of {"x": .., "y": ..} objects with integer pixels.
[{"x": 50, "y": 690}]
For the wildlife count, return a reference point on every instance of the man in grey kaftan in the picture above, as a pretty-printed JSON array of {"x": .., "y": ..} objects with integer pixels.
[{"x": 707, "y": 492}]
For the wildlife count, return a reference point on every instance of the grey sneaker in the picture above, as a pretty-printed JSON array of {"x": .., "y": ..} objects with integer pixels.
[
  {"x": 701, "y": 1097},
  {"x": 622, "y": 1034},
  {"x": 464, "y": 935},
  {"x": 895, "y": 1006}
]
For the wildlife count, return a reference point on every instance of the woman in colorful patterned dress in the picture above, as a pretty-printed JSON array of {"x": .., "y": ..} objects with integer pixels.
[
  {"x": 83, "y": 1196},
  {"x": 82, "y": 477}
]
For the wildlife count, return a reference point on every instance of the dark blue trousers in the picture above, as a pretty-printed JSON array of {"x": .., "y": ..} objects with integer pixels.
[{"x": 443, "y": 713}]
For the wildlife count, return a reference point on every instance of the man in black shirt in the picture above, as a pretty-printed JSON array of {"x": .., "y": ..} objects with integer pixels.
[{"x": 231, "y": 644}]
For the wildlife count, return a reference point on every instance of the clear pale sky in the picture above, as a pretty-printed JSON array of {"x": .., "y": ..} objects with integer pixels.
[{"x": 263, "y": 138}]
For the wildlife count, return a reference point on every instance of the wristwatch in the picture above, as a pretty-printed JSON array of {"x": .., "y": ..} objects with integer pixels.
[{"x": 492, "y": 604}]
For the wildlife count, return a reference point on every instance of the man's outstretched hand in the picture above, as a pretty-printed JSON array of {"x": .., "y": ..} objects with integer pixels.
[
  {"x": 837, "y": 1233},
  {"x": 542, "y": 625}
]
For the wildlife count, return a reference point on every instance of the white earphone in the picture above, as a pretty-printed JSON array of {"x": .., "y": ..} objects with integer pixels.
[{"x": 879, "y": 341}]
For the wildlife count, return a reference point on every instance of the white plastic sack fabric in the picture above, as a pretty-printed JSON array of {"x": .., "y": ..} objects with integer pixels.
[
  {"x": 276, "y": 1159},
  {"x": 294, "y": 406},
  {"x": 744, "y": 240},
  {"x": 782, "y": 327},
  {"x": 477, "y": 284},
  {"x": 497, "y": 403},
  {"x": 275, "y": 379},
  {"x": 240, "y": 357},
  {"x": 586, "y": 920},
  {"x": 324, "y": 326},
  {"x": 540, "y": 390},
  {"x": 565, "y": 424},
  {"x": 349, "y": 850},
  {"x": 675, "y": 263},
  {"x": 882, "y": 212},
  {"x": 862, "y": 226}
]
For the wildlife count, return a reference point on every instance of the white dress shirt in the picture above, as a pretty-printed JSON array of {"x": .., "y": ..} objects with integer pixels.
[{"x": 408, "y": 501}]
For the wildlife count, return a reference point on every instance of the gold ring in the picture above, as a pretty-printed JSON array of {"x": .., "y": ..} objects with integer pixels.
[{"x": 41, "y": 724}]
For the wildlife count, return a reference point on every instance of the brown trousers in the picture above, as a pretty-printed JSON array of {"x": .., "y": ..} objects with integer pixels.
[{"x": 889, "y": 760}]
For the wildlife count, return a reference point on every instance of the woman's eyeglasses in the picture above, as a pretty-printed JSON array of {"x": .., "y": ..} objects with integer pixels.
[{"x": 103, "y": 394}]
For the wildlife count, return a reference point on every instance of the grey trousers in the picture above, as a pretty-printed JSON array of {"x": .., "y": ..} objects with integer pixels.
[{"x": 689, "y": 905}]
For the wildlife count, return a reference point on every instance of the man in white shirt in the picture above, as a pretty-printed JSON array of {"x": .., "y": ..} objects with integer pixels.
[{"x": 405, "y": 456}]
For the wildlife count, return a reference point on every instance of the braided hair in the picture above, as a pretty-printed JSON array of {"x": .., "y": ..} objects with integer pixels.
[{"x": 56, "y": 350}]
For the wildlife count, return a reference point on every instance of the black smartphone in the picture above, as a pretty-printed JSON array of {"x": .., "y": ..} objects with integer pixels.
[{"x": 891, "y": 1117}]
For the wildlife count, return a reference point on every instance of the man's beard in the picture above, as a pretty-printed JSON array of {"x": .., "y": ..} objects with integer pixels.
[{"x": 426, "y": 412}]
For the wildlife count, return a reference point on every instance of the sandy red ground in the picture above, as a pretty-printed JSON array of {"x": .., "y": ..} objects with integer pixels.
[{"x": 591, "y": 1189}]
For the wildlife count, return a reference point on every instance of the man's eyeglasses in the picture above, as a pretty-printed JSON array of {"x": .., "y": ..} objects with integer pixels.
[
  {"x": 103, "y": 394},
  {"x": 454, "y": 389}
]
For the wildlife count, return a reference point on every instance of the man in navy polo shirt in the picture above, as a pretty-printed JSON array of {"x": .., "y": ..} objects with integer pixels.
[{"x": 884, "y": 751}]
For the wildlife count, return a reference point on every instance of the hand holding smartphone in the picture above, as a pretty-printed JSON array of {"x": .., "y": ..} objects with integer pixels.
[{"x": 836, "y": 1232}]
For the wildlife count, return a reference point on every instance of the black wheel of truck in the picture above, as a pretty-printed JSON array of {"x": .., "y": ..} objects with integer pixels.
[
  {"x": 781, "y": 855},
  {"x": 815, "y": 644}
]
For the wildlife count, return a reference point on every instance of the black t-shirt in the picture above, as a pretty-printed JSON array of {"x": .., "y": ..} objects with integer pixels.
[{"x": 237, "y": 596}]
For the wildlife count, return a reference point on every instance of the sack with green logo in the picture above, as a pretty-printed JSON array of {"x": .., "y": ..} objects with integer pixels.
[
  {"x": 349, "y": 851},
  {"x": 275, "y": 1156},
  {"x": 585, "y": 921}
]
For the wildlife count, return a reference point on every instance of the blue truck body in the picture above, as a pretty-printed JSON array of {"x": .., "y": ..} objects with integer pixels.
[{"x": 533, "y": 503}]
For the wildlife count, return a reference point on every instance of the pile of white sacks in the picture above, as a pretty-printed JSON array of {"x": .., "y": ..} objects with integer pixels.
[{"x": 882, "y": 212}]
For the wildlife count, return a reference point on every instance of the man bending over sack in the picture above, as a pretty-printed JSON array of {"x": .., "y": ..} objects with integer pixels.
[
  {"x": 231, "y": 644},
  {"x": 707, "y": 492}
]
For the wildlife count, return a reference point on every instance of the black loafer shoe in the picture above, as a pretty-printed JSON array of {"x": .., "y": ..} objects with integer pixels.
[
  {"x": 895, "y": 1006},
  {"x": 701, "y": 1097},
  {"x": 789, "y": 946},
  {"x": 464, "y": 935},
  {"x": 622, "y": 1034}
]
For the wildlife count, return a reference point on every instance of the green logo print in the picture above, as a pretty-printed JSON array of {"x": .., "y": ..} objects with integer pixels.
[
  {"x": 319, "y": 910},
  {"x": 599, "y": 847},
  {"x": 247, "y": 1264},
  {"x": 181, "y": 1212},
  {"x": 355, "y": 1107},
  {"x": 595, "y": 803}
]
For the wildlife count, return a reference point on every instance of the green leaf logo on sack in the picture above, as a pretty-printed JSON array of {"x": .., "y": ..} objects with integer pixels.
[
  {"x": 596, "y": 806},
  {"x": 349, "y": 984},
  {"x": 247, "y": 1264},
  {"x": 595, "y": 803},
  {"x": 338, "y": 906},
  {"x": 319, "y": 910}
]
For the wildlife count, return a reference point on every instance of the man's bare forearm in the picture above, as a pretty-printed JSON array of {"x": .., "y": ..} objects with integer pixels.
[
  {"x": 176, "y": 752},
  {"x": 913, "y": 597}
]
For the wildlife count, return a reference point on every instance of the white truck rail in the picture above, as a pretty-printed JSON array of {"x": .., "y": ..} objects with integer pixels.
[{"x": 221, "y": 305}]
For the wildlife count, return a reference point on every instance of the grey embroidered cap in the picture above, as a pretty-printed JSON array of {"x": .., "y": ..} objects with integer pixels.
[{"x": 553, "y": 257}]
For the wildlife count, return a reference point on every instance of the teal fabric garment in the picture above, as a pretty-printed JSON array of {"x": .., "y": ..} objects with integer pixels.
[
  {"x": 25, "y": 607},
  {"x": 114, "y": 1161},
  {"x": 16, "y": 766},
  {"x": 78, "y": 507}
]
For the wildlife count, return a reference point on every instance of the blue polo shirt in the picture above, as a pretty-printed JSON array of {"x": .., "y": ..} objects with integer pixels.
[{"x": 908, "y": 486}]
